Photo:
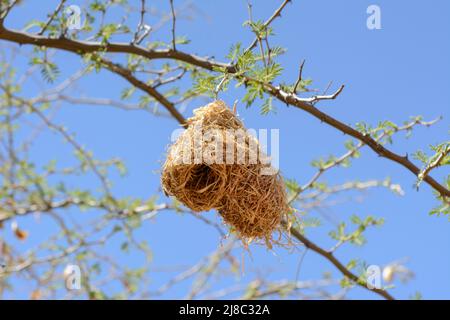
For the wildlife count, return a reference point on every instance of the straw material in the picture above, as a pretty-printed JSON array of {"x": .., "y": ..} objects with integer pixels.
[
  {"x": 254, "y": 203},
  {"x": 251, "y": 203}
]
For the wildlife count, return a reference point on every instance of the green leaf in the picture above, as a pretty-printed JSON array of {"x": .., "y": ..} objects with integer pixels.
[
  {"x": 49, "y": 71},
  {"x": 127, "y": 93}
]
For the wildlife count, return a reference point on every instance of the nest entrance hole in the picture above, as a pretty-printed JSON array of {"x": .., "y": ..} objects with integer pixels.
[{"x": 202, "y": 179}]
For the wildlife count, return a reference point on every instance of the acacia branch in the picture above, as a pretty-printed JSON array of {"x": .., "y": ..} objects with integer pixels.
[
  {"x": 81, "y": 47},
  {"x": 330, "y": 257},
  {"x": 6, "y": 8},
  {"x": 96, "y": 101},
  {"x": 141, "y": 26},
  {"x": 300, "y": 74},
  {"x": 173, "y": 25},
  {"x": 435, "y": 163},
  {"x": 309, "y": 244},
  {"x": 333, "y": 96},
  {"x": 276, "y": 14},
  {"x": 61, "y": 130},
  {"x": 128, "y": 75},
  {"x": 52, "y": 17},
  {"x": 295, "y": 101}
]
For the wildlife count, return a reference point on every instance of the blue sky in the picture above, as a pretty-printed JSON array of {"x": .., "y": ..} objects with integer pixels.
[{"x": 399, "y": 71}]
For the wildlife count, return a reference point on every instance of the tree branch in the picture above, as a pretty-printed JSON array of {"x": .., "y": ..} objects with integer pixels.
[
  {"x": 293, "y": 100},
  {"x": 52, "y": 17},
  {"x": 309, "y": 244},
  {"x": 288, "y": 98},
  {"x": 276, "y": 14},
  {"x": 331, "y": 258},
  {"x": 173, "y": 25},
  {"x": 127, "y": 75},
  {"x": 81, "y": 47}
]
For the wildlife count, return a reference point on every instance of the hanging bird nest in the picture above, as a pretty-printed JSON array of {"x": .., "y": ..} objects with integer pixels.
[{"x": 216, "y": 164}]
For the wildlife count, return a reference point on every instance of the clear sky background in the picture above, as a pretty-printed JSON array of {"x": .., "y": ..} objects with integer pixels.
[{"x": 399, "y": 71}]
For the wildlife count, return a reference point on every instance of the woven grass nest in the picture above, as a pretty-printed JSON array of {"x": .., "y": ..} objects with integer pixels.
[{"x": 211, "y": 173}]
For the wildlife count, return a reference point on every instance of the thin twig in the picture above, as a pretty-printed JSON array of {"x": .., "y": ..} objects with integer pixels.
[
  {"x": 299, "y": 79},
  {"x": 331, "y": 258},
  {"x": 325, "y": 97},
  {"x": 261, "y": 48},
  {"x": 141, "y": 22},
  {"x": 52, "y": 17},
  {"x": 276, "y": 14},
  {"x": 173, "y": 25}
]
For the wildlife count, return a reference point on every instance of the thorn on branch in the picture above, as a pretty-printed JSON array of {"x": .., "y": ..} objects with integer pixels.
[{"x": 325, "y": 97}]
